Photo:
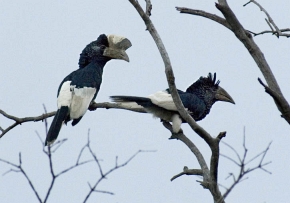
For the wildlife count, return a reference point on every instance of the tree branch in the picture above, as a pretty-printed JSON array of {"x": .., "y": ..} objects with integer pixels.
[
  {"x": 104, "y": 175},
  {"x": 270, "y": 21},
  {"x": 187, "y": 171},
  {"x": 201, "y": 13},
  {"x": 213, "y": 143},
  {"x": 170, "y": 75},
  {"x": 19, "y": 121},
  {"x": 21, "y": 170},
  {"x": 246, "y": 38},
  {"x": 257, "y": 55},
  {"x": 148, "y": 7},
  {"x": 93, "y": 106},
  {"x": 272, "y": 32},
  {"x": 243, "y": 165}
]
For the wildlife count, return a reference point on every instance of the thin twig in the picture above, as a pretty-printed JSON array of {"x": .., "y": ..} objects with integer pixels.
[
  {"x": 276, "y": 31},
  {"x": 243, "y": 163},
  {"x": 104, "y": 175},
  {"x": 270, "y": 31}
]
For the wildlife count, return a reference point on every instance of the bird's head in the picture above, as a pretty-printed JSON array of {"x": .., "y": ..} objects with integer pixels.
[
  {"x": 208, "y": 89},
  {"x": 106, "y": 47}
]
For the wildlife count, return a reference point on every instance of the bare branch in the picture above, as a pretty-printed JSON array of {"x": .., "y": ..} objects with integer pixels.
[
  {"x": 257, "y": 55},
  {"x": 180, "y": 136},
  {"x": 148, "y": 7},
  {"x": 210, "y": 16},
  {"x": 107, "y": 105},
  {"x": 21, "y": 170},
  {"x": 243, "y": 163},
  {"x": 283, "y": 107},
  {"x": 48, "y": 153},
  {"x": 170, "y": 75},
  {"x": 233, "y": 149},
  {"x": 187, "y": 171},
  {"x": 19, "y": 121},
  {"x": 270, "y": 22},
  {"x": 210, "y": 179},
  {"x": 104, "y": 175},
  {"x": 246, "y": 38},
  {"x": 272, "y": 32},
  {"x": 93, "y": 106},
  {"x": 106, "y": 192}
]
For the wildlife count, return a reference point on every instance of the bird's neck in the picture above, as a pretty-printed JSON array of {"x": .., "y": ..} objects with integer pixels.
[{"x": 99, "y": 63}]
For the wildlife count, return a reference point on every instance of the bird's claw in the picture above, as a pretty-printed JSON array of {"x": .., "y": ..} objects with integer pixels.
[
  {"x": 92, "y": 106},
  {"x": 175, "y": 136}
]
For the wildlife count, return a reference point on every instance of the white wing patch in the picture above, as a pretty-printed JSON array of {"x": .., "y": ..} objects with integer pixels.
[
  {"x": 81, "y": 99},
  {"x": 77, "y": 99},
  {"x": 163, "y": 99},
  {"x": 65, "y": 95}
]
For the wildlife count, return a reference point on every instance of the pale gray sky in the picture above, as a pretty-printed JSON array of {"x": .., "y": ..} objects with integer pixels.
[{"x": 40, "y": 44}]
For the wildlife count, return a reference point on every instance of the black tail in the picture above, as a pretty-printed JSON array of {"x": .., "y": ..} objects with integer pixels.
[
  {"x": 56, "y": 124},
  {"x": 143, "y": 101}
]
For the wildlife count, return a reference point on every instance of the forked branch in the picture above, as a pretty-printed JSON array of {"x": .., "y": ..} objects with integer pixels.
[
  {"x": 243, "y": 164},
  {"x": 49, "y": 151},
  {"x": 274, "y": 28},
  {"x": 246, "y": 38}
]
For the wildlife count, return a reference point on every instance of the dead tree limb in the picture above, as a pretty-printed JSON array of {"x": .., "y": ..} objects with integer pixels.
[
  {"x": 92, "y": 107},
  {"x": 275, "y": 31},
  {"x": 246, "y": 38}
]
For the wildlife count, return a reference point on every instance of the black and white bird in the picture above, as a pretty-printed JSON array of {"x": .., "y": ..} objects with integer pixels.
[
  {"x": 197, "y": 99},
  {"x": 80, "y": 88}
]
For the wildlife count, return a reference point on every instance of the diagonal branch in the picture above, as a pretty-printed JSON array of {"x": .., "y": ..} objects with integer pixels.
[
  {"x": 204, "y": 14},
  {"x": 209, "y": 179},
  {"x": 192, "y": 147},
  {"x": 282, "y": 106},
  {"x": 246, "y": 38},
  {"x": 21, "y": 170},
  {"x": 257, "y": 55},
  {"x": 170, "y": 75}
]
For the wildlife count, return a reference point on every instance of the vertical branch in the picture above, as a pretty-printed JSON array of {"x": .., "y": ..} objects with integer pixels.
[{"x": 210, "y": 183}]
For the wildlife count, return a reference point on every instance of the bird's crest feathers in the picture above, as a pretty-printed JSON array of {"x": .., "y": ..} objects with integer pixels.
[
  {"x": 204, "y": 82},
  {"x": 90, "y": 49}
]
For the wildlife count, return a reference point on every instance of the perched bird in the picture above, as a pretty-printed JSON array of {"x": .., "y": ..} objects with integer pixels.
[
  {"x": 198, "y": 100},
  {"x": 80, "y": 88}
]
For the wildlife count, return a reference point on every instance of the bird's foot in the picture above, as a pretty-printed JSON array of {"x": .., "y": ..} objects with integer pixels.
[
  {"x": 92, "y": 106},
  {"x": 176, "y": 135}
]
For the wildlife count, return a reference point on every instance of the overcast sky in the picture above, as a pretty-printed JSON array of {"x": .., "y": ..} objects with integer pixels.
[{"x": 40, "y": 43}]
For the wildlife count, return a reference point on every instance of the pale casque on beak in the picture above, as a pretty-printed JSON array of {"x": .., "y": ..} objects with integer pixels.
[
  {"x": 222, "y": 95},
  {"x": 117, "y": 47}
]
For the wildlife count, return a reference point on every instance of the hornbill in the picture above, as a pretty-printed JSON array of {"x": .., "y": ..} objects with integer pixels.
[
  {"x": 197, "y": 99},
  {"x": 80, "y": 88}
]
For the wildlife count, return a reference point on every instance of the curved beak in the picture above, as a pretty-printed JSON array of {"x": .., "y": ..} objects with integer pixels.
[
  {"x": 117, "y": 47},
  {"x": 222, "y": 95}
]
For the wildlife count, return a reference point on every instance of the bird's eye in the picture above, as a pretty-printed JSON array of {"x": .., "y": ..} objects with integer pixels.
[{"x": 103, "y": 47}]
